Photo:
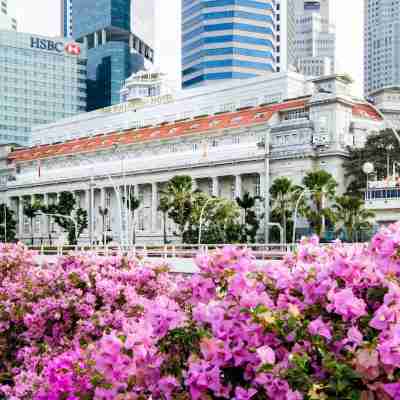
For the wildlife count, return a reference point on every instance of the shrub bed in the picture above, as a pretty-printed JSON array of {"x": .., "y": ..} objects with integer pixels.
[{"x": 322, "y": 324}]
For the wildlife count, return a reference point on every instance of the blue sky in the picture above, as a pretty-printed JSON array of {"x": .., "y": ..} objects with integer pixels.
[{"x": 43, "y": 16}]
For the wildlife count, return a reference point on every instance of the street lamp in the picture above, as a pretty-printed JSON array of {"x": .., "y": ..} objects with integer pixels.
[
  {"x": 266, "y": 145},
  {"x": 368, "y": 168},
  {"x": 389, "y": 149},
  {"x": 201, "y": 215},
  {"x": 296, "y": 210},
  {"x": 66, "y": 217}
]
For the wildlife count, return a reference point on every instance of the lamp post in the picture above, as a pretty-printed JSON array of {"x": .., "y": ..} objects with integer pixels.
[
  {"x": 296, "y": 210},
  {"x": 368, "y": 169},
  {"x": 389, "y": 148},
  {"x": 66, "y": 217},
  {"x": 91, "y": 209},
  {"x": 266, "y": 145},
  {"x": 5, "y": 222},
  {"x": 122, "y": 199},
  {"x": 201, "y": 216}
]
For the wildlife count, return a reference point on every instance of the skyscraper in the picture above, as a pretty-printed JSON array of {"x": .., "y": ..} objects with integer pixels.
[
  {"x": 114, "y": 52},
  {"x": 226, "y": 39},
  {"x": 315, "y": 43},
  {"x": 285, "y": 34},
  {"x": 8, "y": 19},
  {"x": 381, "y": 44},
  {"x": 66, "y": 18}
]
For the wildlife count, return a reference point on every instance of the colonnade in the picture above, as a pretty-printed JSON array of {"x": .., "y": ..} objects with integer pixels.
[{"x": 148, "y": 218}]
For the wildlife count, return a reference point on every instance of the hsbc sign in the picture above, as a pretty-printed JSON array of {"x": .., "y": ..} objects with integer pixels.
[
  {"x": 59, "y": 47},
  {"x": 73, "y": 48}
]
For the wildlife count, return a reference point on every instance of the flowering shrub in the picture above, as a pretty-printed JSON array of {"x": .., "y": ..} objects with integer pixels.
[{"x": 322, "y": 324}]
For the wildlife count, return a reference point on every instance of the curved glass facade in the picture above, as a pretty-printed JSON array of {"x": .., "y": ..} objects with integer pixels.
[
  {"x": 114, "y": 53},
  {"x": 226, "y": 39}
]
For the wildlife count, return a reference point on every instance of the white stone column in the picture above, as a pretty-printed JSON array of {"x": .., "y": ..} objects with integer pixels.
[
  {"x": 194, "y": 184},
  {"x": 102, "y": 197},
  {"x": 45, "y": 219},
  {"x": 238, "y": 186},
  {"x": 154, "y": 206},
  {"x": 262, "y": 184},
  {"x": 96, "y": 40},
  {"x": 103, "y": 36},
  {"x": 215, "y": 186},
  {"x": 87, "y": 200},
  {"x": 130, "y": 41},
  {"x": 21, "y": 216}
]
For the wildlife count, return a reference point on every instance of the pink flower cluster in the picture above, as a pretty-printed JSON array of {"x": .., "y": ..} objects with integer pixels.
[{"x": 322, "y": 324}]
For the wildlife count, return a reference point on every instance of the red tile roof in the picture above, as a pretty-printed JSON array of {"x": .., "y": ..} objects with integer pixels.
[
  {"x": 363, "y": 110},
  {"x": 201, "y": 125}
]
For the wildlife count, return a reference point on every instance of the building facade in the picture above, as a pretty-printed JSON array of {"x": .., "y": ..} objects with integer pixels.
[
  {"x": 173, "y": 106},
  {"x": 315, "y": 43},
  {"x": 114, "y": 52},
  {"x": 66, "y": 18},
  {"x": 8, "y": 19},
  {"x": 387, "y": 100},
  {"x": 221, "y": 151},
  {"x": 226, "y": 39},
  {"x": 42, "y": 79},
  {"x": 285, "y": 34},
  {"x": 381, "y": 44},
  {"x": 145, "y": 85}
]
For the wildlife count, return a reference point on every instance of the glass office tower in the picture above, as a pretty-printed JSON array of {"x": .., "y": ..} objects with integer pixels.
[
  {"x": 114, "y": 52},
  {"x": 226, "y": 39},
  {"x": 42, "y": 79},
  {"x": 66, "y": 18}
]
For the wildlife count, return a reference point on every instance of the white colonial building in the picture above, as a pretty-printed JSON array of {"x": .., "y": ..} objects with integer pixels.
[{"x": 218, "y": 143}]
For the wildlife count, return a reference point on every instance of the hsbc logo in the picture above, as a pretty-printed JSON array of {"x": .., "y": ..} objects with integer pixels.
[
  {"x": 59, "y": 47},
  {"x": 73, "y": 48}
]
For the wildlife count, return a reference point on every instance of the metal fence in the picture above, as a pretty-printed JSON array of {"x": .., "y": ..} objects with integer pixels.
[{"x": 259, "y": 251}]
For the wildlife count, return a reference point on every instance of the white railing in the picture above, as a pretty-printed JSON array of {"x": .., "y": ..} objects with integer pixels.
[{"x": 260, "y": 251}]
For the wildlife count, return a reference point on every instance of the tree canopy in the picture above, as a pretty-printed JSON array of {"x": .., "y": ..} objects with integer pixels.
[{"x": 376, "y": 150}]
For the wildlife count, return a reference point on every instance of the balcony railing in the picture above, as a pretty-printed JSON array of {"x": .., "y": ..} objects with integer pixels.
[{"x": 383, "y": 194}]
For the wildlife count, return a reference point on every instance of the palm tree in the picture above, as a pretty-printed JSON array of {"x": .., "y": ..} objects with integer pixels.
[
  {"x": 48, "y": 210},
  {"x": 282, "y": 201},
  {"x": 352, "y": 215},
  {"x": 247, "y": 202},
  {"x": 103, "y": 212},
  {"x": 180, "y": 196},
  {"x": 251, "y": 224},
  {"x": 164, "y": 208},
  {"x": 322, "y": 187},
  {"x": 30, "y": 211},
  {"x": 132, "y": 205}
]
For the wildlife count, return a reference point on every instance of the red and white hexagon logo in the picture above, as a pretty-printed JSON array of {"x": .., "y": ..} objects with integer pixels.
[{"x": 73, "y": 48}]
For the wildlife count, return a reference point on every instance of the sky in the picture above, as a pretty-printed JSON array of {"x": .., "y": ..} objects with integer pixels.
[{"x": 43, "y": 17}]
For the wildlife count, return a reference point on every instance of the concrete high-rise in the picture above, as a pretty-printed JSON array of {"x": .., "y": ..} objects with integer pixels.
[
  {"x": 114, "y": 52},
  {"x": 226, "y": 39},
  {"x": 66, "y": 18},
  {"x": 8, "y": 19},
  {"x": 315, "y": 44},
  {"x": 285, "y": 34},
  {"x": 381, "y": 44}
]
